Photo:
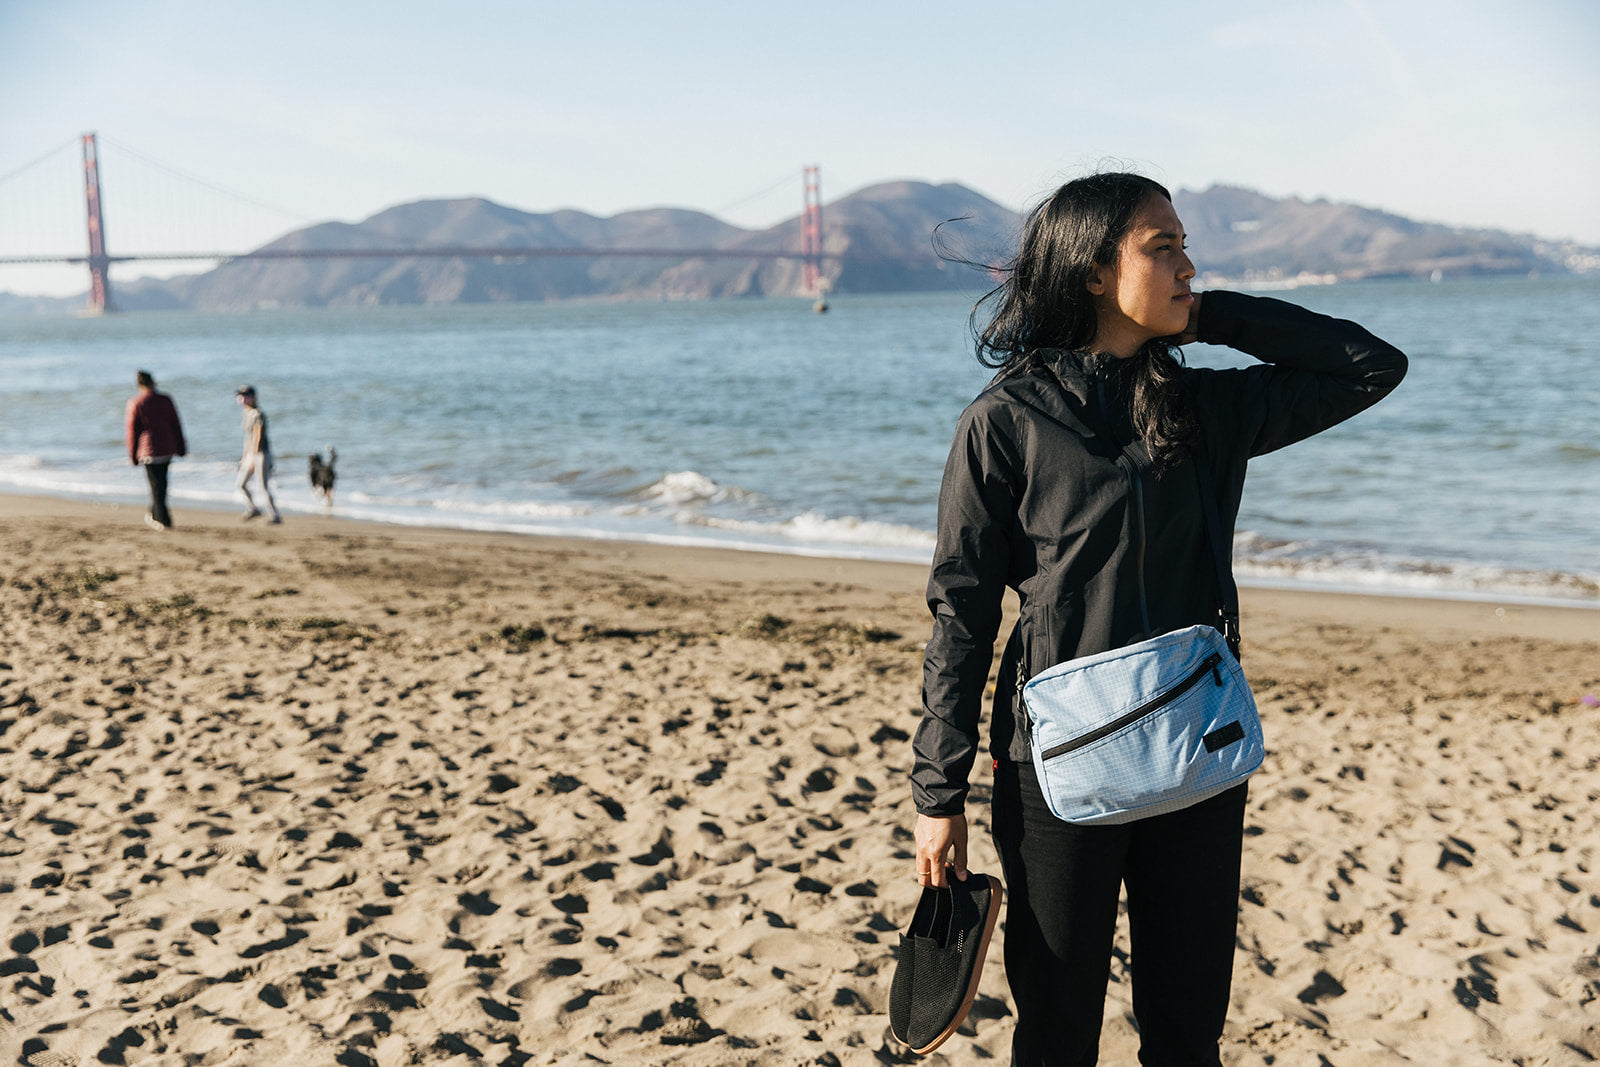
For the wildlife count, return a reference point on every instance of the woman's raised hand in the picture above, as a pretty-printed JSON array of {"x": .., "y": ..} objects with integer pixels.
[{"x": 1191, "y": 332}]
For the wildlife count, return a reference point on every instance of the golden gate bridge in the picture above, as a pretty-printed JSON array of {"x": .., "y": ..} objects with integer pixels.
[{"x": 98, "y": 258}]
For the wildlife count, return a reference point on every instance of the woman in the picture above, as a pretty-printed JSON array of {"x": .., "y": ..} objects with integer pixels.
[
  {"x": 1033, "y": 498},
  {"x": 256, "y": 462}
]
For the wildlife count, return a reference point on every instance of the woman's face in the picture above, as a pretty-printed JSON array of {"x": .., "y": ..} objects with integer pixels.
[{"x": 1145, "y": 294}]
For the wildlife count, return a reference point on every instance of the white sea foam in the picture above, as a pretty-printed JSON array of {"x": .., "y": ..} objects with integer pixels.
[
  {"x": 690, "y": 489},
  {"x": 815, "y": 528},
  {"x": 519, "y": 508},
  {"x": 532, "y": 509},
  {"x": 683, "y": 488},
  {"x": 30, "y": 474},
  {"x": 1265, "y": 561}
]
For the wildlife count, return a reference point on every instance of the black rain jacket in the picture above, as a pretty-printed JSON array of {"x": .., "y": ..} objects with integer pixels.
[{"x": 1033, "y": 498}]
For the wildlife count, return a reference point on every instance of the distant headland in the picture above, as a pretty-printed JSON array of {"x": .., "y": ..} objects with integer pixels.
[{"x": 880, "y": 239}]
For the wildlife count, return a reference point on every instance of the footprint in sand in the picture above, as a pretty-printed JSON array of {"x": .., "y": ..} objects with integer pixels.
[
  {"x": 1459, "y": 856},
  {"x": 495, "y": 1010},
  {"x": 571, "y": 904},
  {"x": 835, "y": 742},
  {"x": 478, "y": 903},
  {"x": 1478, "y": 987},
  {"x": 886, "y": 734},
  {"x": 820, "y": 780},
  {"x": 389, "y": 1000},
  {"x": 292, "y": 935},
  {"x": 612, "y": 807},
  {"x": 1324, "y": 986},
  {"x": 581, "y": 1001},
  {"x": 661, "y": 850}
]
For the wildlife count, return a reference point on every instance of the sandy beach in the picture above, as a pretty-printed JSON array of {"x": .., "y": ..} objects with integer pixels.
[{"x": 339, "y": 793}]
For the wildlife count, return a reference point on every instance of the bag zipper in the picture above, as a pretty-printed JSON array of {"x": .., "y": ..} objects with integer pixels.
[{"x": 1208, "y": 666}]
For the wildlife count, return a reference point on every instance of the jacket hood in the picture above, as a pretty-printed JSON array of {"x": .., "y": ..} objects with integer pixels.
[
  {"x": 1064, "y": 387},
  {"x": 1081, "y": 372}
]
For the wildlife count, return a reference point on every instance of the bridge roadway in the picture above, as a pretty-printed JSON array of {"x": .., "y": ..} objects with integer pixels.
[{"x": 513, "y": 252}]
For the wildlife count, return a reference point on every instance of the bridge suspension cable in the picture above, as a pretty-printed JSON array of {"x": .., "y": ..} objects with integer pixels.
[
  {"x": 156, "y": 207},
  {"x": 41, "y": 202},
  {"x": 61, "y": 148},
  {"x": 785, "y": 182},
  {"x": 176, "y": 173}
]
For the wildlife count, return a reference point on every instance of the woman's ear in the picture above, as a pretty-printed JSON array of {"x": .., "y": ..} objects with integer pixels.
[{"x": 1096, "y": 283}]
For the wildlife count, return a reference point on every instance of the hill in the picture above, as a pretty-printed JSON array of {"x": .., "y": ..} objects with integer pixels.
[
  {"x": 1241, "y": 235},
  {"x": 883, "y": 230},
  {"x": 883, "y": 236},
  {"x": 13, "y": 305}
]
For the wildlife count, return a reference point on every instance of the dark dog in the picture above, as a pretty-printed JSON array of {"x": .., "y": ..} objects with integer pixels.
[{"x": 322, "y": 475}]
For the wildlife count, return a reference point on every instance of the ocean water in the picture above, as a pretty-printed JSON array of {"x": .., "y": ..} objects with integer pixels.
[{"x": 760, "y": 424}]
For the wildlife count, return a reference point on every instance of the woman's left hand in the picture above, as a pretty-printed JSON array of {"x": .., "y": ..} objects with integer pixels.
[{"x": 1191, "y": 332}]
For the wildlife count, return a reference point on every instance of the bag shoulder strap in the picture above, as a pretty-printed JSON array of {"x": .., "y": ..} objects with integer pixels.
[{"x": 1221, "y": 551}]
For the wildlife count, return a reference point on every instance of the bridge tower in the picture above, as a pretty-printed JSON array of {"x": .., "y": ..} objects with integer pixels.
[
  {"x": 811, "y": 230},
  {"x": 99, "y": 280}
]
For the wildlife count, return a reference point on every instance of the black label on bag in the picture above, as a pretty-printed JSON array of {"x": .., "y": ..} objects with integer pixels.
[{"x": 1224, "y": 736}]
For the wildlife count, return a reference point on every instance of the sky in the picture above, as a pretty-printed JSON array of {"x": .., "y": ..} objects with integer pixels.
[{"x": 231, "y": 122}]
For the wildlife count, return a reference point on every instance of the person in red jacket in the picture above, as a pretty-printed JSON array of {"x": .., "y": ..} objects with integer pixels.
[{"x": 155, "y": 436}]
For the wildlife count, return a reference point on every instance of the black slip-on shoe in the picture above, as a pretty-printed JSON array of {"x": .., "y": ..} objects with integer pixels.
[{"x": 941, "y": 960}]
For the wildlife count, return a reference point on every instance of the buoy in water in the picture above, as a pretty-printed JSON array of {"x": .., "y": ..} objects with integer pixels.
[{"x": 820, "y": 306}]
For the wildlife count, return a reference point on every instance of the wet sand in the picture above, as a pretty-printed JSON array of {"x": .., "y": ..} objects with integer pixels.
[{"x": 341, "y": 793}]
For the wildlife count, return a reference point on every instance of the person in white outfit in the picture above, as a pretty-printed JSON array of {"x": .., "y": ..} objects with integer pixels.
[{"x": 257, "y": 459}]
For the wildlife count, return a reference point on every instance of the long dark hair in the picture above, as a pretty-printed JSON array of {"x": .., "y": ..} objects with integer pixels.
[{"x": 1043, "y": 304}]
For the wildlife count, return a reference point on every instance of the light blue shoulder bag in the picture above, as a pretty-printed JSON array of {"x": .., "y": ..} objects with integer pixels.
[{"x": 1154, "y": 727}]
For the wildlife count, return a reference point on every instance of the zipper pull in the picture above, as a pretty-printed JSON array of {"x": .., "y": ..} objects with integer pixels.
[{"x": 1216, "y": 673}]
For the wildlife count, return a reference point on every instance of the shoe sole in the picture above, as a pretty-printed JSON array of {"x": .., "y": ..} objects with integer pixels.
[{"x": 996, "y": 898}]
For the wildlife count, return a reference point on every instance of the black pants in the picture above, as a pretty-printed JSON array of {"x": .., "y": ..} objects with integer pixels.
[
  {"x": 156, "y": 472},
  {"x": 1062, "y": 887}
]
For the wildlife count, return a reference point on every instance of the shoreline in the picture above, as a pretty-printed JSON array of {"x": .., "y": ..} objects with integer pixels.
[
  {"x": 403, "y": 795},
  {"x": 1250, "y": 586}
]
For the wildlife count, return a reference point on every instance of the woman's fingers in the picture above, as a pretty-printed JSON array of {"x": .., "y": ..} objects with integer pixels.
[
  {"x": 930, "y": 860},
  {"x": 937, "y": 837},
  {"x": 960, "y": 864}
]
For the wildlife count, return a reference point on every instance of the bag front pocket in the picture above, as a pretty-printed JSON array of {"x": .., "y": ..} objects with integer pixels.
[{"x": 1210, "y": 666}]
